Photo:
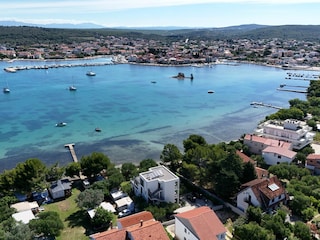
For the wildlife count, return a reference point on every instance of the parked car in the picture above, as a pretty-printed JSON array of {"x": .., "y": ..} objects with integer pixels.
[{"x": 124, "y": 213}]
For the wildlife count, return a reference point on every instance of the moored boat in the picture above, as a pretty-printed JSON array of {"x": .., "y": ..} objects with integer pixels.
[
  {"x": 90, "y": 73},
  {"x": 61, "y": 124},
  {"x": 72, "y": 88},
  {"x": 98, "y": 129},
  {"x": 6, "y": 90}
]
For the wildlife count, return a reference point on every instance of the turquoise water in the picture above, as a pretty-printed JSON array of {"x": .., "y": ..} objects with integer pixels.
[{"x": 137, "y": 117}]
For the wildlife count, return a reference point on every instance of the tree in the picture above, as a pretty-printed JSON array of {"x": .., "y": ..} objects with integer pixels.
[
  {"x": 90, "y": 198},
  {"x": 30, "y": 175},
  {"x": 193, "y": 141},
  {"x": 129, "y": 170},
  {"x": 94, "y": 164},
  {"x": 171, "y": 155},
  {"x": 54, "y": 173},
  {"x": 115, "y": 178},
  {"x": 48, "y": 223},
  {"x": 227, "y": 183},
  {"x": 249, "y": 173},
  {"x": 302, "y": 231},
  {"x": 254, "y": 214},
  {"x": 102, "y": 218},
  {"x": 252, "y": 231},
  {"x": 145, "y": 164},
  {"x": 19, "y": 231},
  {"x": 73, "y": 169}
]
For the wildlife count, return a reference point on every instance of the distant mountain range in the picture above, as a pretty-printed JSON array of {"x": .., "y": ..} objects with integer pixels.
[
  {"x": 51, "y": 25},
  {"x": 95, "y": 26}
]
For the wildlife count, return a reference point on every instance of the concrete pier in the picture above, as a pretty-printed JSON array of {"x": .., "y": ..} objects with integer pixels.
[{"x": 70, "y": 146}]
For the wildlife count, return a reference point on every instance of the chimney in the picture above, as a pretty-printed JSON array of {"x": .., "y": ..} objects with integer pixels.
[{"x": 141, "y": 223}]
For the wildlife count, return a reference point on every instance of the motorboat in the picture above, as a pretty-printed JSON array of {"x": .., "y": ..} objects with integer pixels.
[
  {"x": 6, "y": 90},
  {"x": 210, "y": 91},
  {"x": 61, "y": 124},
  {"x": 98, "y": 129},
  {"x": 72, "y": 88},
  {"x": 90, "y": 73}
]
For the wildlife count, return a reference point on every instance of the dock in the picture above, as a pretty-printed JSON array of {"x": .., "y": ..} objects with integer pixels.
[
  {"x": 265, "y": 105},
  {"x": 292, "y": 90},
  {"x": 70, "y": 146}
]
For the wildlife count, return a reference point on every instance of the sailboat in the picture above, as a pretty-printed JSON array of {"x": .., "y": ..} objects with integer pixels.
[{"x": 6, "y": 89}]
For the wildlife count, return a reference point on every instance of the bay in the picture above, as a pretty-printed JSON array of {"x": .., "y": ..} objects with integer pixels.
[{"x": 138, "y": 108}]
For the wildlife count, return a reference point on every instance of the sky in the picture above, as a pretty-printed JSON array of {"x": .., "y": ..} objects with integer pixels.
[{"x": 163, "y": 13}]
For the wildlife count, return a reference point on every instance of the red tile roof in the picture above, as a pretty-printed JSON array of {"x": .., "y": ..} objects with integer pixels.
[
  {"x": 150, "y": 230},
  {"x": 267, "y": 141},
  {"x": 135, "y": 219},
  {"x": 245, "y": 158},
  {"x": 113, "y": 234},
  {"x": 262, "y": 190},
  {"x": 202, "y": 222},
  {"x": 313, "y": 156},
  {"x": 280, "y": 151}
]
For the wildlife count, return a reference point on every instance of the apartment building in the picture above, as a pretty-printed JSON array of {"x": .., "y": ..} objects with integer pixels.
[{"x": 158, "y": 184}]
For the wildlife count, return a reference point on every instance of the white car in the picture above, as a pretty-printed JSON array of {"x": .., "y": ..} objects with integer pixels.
[{"x": 124, "y": 213}]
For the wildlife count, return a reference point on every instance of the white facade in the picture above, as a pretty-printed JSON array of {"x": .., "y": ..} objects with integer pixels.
[
  {"x": 274, "y": 155},
  {"x": 294, "y": 131},
  {"x": 181, "y": 232},
  {"x": 244, "y": 197},
  {"x": 158, "y": 184}
]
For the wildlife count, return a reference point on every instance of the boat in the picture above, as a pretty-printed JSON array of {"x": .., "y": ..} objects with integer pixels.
[
  {"x": 61, "y": 124},
  {"x": 153, "y": 82},
  {"x": 90, "y": 73},
  {"x": 10, "y": 69},
  {"x": 72, "y": 88},
  {"x": 210, "y": 91},
  {"x": 98, "y": 129},
  {"x": 6, "y": 90}
]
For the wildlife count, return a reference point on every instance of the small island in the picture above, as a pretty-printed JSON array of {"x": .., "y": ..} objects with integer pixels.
[{"x": 182, "y": 76}]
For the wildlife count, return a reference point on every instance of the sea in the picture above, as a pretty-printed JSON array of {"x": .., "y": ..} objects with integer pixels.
[{"x": 138, "y": 108}]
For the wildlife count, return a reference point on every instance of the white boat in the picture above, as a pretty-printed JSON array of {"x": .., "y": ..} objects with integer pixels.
[
  {"x": 10, "y": 69},
  {"x": 72, "y": 88},
  {"x": 61, "y": 124},
  {"x": 6, "y": 90},
  {"x": 91, "y": 73}
]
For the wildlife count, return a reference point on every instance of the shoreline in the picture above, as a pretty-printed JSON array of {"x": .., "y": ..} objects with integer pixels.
[{"x": 119, "y": 59}]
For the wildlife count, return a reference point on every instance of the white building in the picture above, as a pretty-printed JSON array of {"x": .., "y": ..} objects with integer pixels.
[
  {"x": 158, "y": 184},
  {"x": 199, "y": 224},
  {"x": 276, "y": 155},
  {"x": 291, "y": 130}
]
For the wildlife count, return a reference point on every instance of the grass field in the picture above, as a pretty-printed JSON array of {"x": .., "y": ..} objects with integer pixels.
[{"x": 74, "y": 219}]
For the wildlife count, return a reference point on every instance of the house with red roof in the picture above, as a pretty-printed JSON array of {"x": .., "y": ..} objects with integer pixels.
[
  {"x": 313, "y": 163},
  {"x": 260, "y": 172},
  {"x": 139, "y": 226},
  {"x": 266, "y": 193},
  {"x": 199, "y": 224},
  {"x": 273, "y": 151},
  {"x": 276, "y": 155},
  {"x": 257, "y": 144}
]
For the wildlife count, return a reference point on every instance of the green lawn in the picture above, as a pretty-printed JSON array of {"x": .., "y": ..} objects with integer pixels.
[{"x": 74, "y": 220}]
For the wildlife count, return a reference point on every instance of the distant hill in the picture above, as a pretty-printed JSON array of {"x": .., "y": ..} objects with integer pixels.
[
  {"x": 25, "y": 35},
  {"x": 53, "y": 25}
]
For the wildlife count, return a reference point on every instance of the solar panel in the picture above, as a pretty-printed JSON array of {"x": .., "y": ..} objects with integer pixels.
[{"x": 273, "y": 187}]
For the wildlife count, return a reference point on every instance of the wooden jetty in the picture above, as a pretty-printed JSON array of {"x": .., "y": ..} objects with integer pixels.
[
  {"x": 70, "y": 146},
  {"x": 265, "y": 105}
]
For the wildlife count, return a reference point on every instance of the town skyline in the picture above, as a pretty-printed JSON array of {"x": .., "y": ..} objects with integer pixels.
[{"x": 180, "y": 13}]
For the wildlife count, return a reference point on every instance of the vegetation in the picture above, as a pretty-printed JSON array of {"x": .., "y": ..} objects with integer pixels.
[{"x": 28, "y": 36}]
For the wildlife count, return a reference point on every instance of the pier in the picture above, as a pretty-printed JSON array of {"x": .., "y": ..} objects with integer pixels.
[
  {"x": 70, "y": 146},
  {"x": 292, "y": 90},
  {"x": 265, "y": 105},
  {"x": 62, "y": 65}
]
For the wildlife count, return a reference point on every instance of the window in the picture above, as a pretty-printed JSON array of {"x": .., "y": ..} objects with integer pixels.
[{"x": 185, "y": 230}]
